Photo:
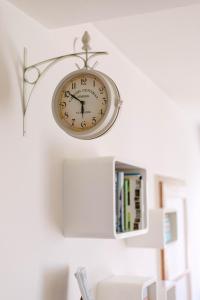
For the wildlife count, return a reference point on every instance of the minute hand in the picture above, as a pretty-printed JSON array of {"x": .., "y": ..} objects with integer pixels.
[{"x": 76, "y": 98}]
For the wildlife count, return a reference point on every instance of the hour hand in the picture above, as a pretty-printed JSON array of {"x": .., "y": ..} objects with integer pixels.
[{"x": 82, "y": 108}]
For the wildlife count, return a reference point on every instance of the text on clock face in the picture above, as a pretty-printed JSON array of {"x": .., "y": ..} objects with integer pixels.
[{"x": 82, "y": 102}]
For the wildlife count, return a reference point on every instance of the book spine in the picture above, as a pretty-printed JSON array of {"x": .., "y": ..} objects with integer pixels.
[
  {"x": 145, "y": 294},
  {"x": 137, "y": 201},
  {"x": 120, "y": 200},
  {"x": 138, "y": 204},
  {"x": 126, "y": 215},
  {"x": 143, "y": 224},
  {"x": 129, "y": 208},
  {"x": 116, "y": 203},
  {"x": 167, "y": 229}
]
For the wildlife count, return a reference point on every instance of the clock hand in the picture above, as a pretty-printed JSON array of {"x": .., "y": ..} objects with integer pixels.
[
  {"x": 81, "y": 101},
  {"x": 75, "y": 97},
  {"x": 82, "y": 108}
]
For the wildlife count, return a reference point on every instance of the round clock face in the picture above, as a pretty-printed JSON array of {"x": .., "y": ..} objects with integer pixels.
[{"x": 82, "y": 104}]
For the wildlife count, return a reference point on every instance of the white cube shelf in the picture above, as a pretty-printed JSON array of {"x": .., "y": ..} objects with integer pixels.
[
  {"x": 127, "y": 288},
  {"x": 166, "y": 290},
  {"x": 89, "y": 197},
  {"x": 156, "y": 235}
]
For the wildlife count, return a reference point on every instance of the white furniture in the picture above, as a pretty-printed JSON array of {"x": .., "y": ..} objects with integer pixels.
[
  {"x": 156, "y": 235},
  {"x": 166, "y": 290},
  {"x": 127, "y": 288},
  {"x": 89, "y": 197}
]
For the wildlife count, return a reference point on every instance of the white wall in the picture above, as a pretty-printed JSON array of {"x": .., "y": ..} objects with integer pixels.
[
  {"x": 165, "y": 46},
  {"x": 36, "y": 261}
]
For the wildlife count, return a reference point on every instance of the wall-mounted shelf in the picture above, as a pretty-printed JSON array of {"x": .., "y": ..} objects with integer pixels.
[
  {"x": 90, "y": 197},
  {"x": 166, "y": 290},
  {"x": 127, "y": 287},
  {"x": 162, "y": 230}
]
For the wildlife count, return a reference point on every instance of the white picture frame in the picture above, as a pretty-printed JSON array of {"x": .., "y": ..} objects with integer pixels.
[{"x": 174, "y": 259}]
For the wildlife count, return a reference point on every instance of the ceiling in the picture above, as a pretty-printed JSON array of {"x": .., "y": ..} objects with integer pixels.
[
  {"x": 166, "y": 47},
  {"x": 61, "y": 13},
  {"x": 162, "y": 39}
]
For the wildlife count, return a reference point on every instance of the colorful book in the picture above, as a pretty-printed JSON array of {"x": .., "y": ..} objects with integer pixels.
[
  {"x": 116, "y": 203},
  {"x": 120, "y": 201},
  {"x": 127, "y": 205},
  {"x": 145, "y": 294},
  {"x": 167, "y": 229},
  {"x": 136, "y": 200}
]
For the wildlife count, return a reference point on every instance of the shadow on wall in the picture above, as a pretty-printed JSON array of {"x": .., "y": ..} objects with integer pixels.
[
  {"x": 198, "y": 133},
  {"x": 11, "y": 71},
  {"x": 53, "y": 172},
  {"x": 4, "y": 72},
  {"x": 55, "y": 284},
  {"x": 54, "y": 156}
]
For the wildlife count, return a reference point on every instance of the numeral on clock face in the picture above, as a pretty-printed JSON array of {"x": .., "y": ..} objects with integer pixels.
[
  {"x": 94, "y": 120},
  {"x": 62, "y": 104},
  {"x": 73, "y": 121},
  {"x": 83, "y": 81},
  {"x": 66, "y": 114},
  {"x": 101, "y": 90},
  {"x": 83, "y": 124},
  {"x": 73, "y": 85},
  {"x": 66, "y": 94}
]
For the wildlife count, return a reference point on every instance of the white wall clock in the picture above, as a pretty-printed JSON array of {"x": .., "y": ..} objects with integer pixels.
[{"x": 86, "y": 102}]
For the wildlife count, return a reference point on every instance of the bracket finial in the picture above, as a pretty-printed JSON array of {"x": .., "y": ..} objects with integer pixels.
[{"x": 85, "y": 41}]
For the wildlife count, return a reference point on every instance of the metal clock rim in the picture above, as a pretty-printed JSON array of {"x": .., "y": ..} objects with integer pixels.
[
  {"x": 65, "y": 127},
  {"x": 117, "y": 105}
]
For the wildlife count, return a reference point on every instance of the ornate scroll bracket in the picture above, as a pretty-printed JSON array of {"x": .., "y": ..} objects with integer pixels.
[{"x": 33, "y": 73}]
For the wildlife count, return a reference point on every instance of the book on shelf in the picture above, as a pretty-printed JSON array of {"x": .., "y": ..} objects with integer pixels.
[
  {"x": 167, "y": 229},
  {"x": 116, "y": 202},
  {"x": 120, "y": 201},
  {"x": 136, "y": 195},
  {"x": 129, "y": 202},
  {"x": 128, "y": 210},
  {"x": 145, "y": 294}
]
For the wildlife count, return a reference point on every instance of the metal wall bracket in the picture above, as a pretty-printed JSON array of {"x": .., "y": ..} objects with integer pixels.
[{"x": 29, "y": 84}]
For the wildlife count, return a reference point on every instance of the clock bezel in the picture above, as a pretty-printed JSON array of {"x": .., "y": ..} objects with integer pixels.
[{"x": 112, "y": 110}]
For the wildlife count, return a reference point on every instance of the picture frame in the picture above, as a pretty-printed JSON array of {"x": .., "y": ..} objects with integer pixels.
[{"x": 172, "y": 194}]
